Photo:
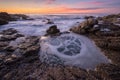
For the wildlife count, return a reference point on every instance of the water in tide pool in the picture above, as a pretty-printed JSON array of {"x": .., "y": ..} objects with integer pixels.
[{"x": 38, "y": 26}]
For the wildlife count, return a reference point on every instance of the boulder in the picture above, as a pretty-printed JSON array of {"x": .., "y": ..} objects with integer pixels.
[
  {"x": 53, "y": 30},
  {"x": 49, "y": 21},
  {"x": 92, "y": 22},
  {"x": 85, "y": 26}
]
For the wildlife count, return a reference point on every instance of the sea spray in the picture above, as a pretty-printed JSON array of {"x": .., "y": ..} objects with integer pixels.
[{"x": 71, "y": 49}]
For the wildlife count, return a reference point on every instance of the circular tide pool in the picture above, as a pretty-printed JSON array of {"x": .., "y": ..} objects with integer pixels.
[{"x": 71, "y": 49}]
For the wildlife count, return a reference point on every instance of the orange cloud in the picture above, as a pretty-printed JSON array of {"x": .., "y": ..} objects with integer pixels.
[{"x": 62, "y": 9}]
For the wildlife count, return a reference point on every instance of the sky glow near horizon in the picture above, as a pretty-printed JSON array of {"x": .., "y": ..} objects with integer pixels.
[{"x": 60, "y": 6}]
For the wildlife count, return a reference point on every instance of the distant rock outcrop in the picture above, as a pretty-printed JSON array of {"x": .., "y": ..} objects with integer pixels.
[
  {"x": 53, "y": 30},
  {"x": 5, "y": 17},
  {"x": 49, "y": 21},
  {"x": 2, "y": 21}
]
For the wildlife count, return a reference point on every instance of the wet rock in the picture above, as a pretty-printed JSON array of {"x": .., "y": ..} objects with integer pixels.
[
  {"x": 111, "y": 18},
  {"x": 7, "y": 38},
  {"x": 53, "y": 30},
  {"x": 8, "y": 76},
  {"x": 109, "y": 71},
  {"x": 10, "y": 37},
  {"x": 3, "y": 22},
  {"x": 3, "y": 45},
  {"x": 10, "y": 48},
  {"x": 85, "y": 27},
  {"x": 33, "y": 50},
  {"x": 61, "y": 49},
  {"x": 87, "y": 17},
  {"x": 20, "y": 17},
  {"x": 5, "y": 16},
  {"x": 89, "y": 23},
  {"x": 30, "y": 46},
  {"x": 9, "y": 31},
  {"x": 92, "y": 22},
  {"x": 12, "y": 59},
  {"x": 9, "y": 34},
  {"x": 49, "y": 21}
]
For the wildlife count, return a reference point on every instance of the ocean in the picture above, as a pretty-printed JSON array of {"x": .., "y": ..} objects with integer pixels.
[{"x": 38, "y": 26}]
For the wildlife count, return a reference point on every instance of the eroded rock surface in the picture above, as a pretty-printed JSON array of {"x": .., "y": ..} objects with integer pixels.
[
  {"x": 85, "y": 27},
  {"x": 19, "y": 58}
]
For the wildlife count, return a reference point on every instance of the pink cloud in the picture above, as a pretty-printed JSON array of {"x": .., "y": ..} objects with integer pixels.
[
  {"x": 49, "y": 1},
  {"x": 91, "y": 3},
  {"x": 97, "y": 2}
]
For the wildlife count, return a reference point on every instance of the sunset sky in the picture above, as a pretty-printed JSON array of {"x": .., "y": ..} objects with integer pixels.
[{"x": 60, "y": 6}]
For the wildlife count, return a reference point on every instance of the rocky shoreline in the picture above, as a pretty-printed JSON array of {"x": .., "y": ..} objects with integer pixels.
[
  {"x": 19, "y": 58},
  {"x": 5, "y": 18}
]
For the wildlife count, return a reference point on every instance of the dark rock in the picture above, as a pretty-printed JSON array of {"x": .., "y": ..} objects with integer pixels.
[
  {"x": 11, "y": 59},
  {"x": 110, "y": 18},
  {"x": 87, "y": 17},
  {"x": 8, "y": 76},
  {"x": 9, "y": 31},
  {"x": 30, "y": 47},
  {"x": 53, "y": 30},
  {"x": 8, "y": 37},
  {"x": 3, "y": 22},
  {"x": 10, "y": 48},
  {"x": 49, "y": 21},
  {"x": 109, "y": 71},
  {"x": 30, "y": 51},
  {"x": 9, "y": 34},
  {"x": 5, "y": 16},
  {"x": 85, "y": 27},
  {"x": 3, "y": 45},
  {"x": 20, "y": 17},
  {"x": 61, "y": 49}
]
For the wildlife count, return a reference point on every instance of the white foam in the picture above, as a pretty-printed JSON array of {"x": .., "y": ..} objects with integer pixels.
[{"x": 88, "y": 57}]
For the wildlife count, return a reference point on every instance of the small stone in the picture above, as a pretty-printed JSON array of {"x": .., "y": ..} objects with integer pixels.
[
  {"x": 61, "y": 49},
  {"x": 68, "y": 53}
]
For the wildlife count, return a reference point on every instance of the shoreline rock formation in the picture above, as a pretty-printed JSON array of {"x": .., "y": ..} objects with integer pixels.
[
  {"x": 5, "y": 18},
  {"x": 52, "y": 30},
  {"x": 19, "y": 58},
  {"x": 85, "y": 27}
]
